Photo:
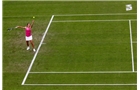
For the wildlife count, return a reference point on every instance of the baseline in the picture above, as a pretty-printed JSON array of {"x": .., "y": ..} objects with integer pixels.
[
  {"x": 81, "y": 72},
  {"x": 130, "y": 84},
  {"x": 94, "y": 20},
  {"x": 96, "y": 14}
]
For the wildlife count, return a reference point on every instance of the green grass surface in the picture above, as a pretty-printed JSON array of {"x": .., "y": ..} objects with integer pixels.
[
  {"x": 81, "y": 78},
  {"x": 81, "y": 46},
  {"x": 70, "y": 46}
]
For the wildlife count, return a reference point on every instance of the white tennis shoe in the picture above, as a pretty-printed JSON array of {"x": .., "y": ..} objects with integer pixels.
[
  {"x": 28, "y": 48},
  {"x": 34, "y": 50}
]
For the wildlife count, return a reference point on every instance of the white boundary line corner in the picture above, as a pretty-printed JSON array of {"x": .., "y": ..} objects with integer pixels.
[{"x": 28, "y": 71}]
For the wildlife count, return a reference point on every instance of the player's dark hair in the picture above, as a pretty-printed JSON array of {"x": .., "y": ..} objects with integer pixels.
[{"x": 27, "y": 23}]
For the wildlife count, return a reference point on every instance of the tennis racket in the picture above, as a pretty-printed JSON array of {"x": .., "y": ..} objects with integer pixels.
[{"x": 12, "y": 28}]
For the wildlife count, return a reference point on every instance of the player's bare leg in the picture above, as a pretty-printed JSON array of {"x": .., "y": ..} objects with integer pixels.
[
  {"x": 28, "y": 47},
  {"x": 32, "y": 45}
]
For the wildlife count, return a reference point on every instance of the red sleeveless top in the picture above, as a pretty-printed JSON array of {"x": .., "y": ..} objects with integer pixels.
[{"x": 28, "y": 31}]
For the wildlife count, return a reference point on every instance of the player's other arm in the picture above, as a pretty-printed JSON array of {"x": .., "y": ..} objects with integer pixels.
[{"x": 20, "y": 27}]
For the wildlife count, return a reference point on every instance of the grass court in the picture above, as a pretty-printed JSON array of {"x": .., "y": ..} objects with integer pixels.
[{"x": 80, "y": 45}]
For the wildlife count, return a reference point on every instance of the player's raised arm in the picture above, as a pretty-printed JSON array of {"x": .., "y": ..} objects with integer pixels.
[{"x": 32, "y": 23}]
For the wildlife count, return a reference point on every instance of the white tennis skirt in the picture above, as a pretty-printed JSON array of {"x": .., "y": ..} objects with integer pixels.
[{"x": 28, "y": 38}]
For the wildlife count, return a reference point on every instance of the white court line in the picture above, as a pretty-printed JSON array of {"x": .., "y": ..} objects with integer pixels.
[
  {"x": 71, "y": 0},
  {"x": 28, "y": 71},
  {"x": 94, "y": 20},
  {"x": 75, "y": 15},
  {"x": 131, "y": 44},
  {"x": 82, "y": 72},
  {"x": 97, "y": 14},
  {"x": 131, "y": 84}
]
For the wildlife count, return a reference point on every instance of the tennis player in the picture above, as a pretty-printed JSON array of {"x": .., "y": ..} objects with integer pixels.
[{"x": 28, "y": 34}]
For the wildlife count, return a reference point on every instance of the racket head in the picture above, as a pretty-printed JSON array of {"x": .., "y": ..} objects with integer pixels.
[{"x": 9, "y": 29}]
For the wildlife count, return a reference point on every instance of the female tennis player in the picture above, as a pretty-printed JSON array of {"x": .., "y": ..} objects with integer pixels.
[{"x": 28, "y": 34}]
